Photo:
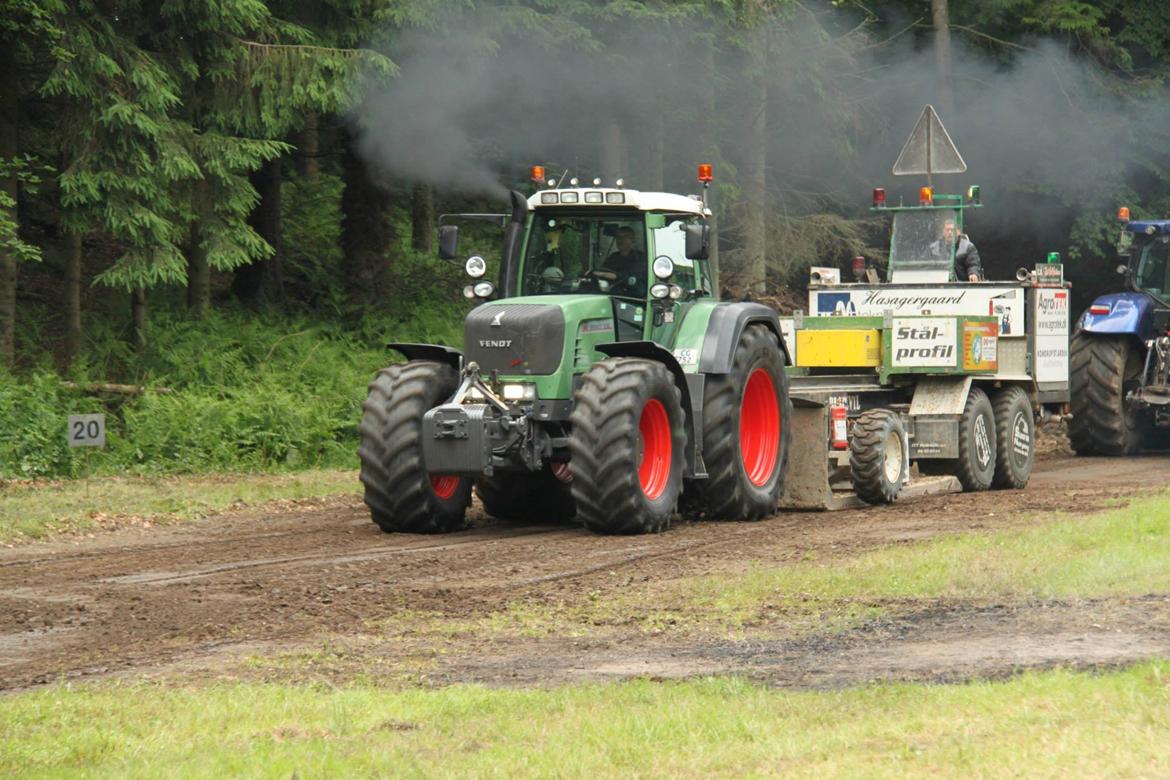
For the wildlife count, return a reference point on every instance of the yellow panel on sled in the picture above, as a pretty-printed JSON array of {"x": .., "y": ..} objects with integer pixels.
[{"x": 838, "y": 348}]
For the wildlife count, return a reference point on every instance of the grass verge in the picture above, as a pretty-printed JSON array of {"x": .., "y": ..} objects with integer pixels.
[
  {"x": 1050, "y": 724},
  {"x": 1119, "y": 552},
  {"x": 36, "y": 509},
  {"x": 1116, "y": 553}
]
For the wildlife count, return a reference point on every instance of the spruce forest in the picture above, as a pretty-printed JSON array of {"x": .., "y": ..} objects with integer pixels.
[{"x": 213, "y": 215}]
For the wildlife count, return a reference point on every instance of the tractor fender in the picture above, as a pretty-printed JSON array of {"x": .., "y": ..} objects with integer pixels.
[
  {"x": 724, "y": 328},
  {"x": 1130, "y": 314},
  {"x": 436, "y": 352},
  {"x": 648, "y": 350}
]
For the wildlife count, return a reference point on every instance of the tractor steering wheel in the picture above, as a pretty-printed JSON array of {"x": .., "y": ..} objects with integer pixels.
[{"x": 593, "y": 278}]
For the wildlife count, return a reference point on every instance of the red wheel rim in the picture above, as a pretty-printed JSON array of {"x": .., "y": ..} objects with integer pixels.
[
  {"x": 444, "y": 485},
  {"x": 759, "y": 428},
  {"x": 654, "y": 467}
]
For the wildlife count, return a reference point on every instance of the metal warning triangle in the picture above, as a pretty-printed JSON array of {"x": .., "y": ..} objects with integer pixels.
[{"x": 929, "y": 149}]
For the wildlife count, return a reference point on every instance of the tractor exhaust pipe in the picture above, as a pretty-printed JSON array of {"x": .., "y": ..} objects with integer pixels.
[{"x": 513, "y": 235}]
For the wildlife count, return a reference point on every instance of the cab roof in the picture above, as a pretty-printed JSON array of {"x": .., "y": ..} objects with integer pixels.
[
  {"x": 608, "y": 197},
  {"x": 1150, "y": 227}
]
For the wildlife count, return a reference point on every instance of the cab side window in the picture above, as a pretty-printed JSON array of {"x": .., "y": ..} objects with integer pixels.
[{"x": 670, "y": 240}]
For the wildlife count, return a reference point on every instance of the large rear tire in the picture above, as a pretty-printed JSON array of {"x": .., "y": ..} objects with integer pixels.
[
  {"x": 526, "y": 497},
  {"x": 400, "y": 492},
  {"x": 878, "y": 465},
  {"x": 627, "y": 447},
  {"x": 1015, "y": 433},
  {"x": 747, "y": 417},
  {"x": 1102, "y": 369}
]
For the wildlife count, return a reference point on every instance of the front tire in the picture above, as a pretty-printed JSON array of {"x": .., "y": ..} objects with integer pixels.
[
  {"x": 746, "y": 427},
  {"x": 878, "y": 465},
  {"x": 400, "y": 492},
  {"x": 1101, "y": 370},
  {"x": 627, "y": 444}
]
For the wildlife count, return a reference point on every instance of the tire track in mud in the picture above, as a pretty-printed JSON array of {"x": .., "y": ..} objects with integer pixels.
[
  {"x": 299, "y": 561},
  {"x": 89, "y": 555}
]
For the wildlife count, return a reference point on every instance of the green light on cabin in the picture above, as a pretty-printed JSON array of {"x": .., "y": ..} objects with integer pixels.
[
  {"x": 973, "y": 193},
  {"x": 1054, "y": 257}
]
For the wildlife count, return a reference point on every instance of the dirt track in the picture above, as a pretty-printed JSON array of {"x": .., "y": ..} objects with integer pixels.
[{"x": 206, "y": 594}]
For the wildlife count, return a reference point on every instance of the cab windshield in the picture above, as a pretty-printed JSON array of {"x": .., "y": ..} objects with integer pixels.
[
  {"x": 924, "y": 240},
  {"x": 569, "y": 253},
  {"x": 1153, "y": 271}
]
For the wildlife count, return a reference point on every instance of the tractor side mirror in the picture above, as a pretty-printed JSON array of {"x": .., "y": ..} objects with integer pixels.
[
  {"x": 698, "y": 242},
  {"x": 1123, "y": 269},
  {"x": 1124, "y": 244},
  {"x": 448, "y": 241}
]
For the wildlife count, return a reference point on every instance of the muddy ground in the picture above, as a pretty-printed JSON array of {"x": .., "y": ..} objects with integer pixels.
[{"x": 317, "y": 590}]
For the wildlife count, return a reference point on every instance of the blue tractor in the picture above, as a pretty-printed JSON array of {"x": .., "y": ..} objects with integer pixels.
[{"x": 1119, "y": 360}]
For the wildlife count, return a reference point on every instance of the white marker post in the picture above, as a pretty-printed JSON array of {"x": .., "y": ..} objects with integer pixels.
[{"x": 86, "y": 430}]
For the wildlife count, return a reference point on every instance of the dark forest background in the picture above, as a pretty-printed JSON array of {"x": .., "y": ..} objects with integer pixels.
[{"x": 214, "y": 214}]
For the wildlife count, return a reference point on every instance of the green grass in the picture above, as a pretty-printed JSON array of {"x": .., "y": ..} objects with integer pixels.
[
  {"x": 236, "y": 392},
  {"x": 35, "y": 509},
  {"x": 1050, "y": 724},
  {"x": 1119, "y": 552}
]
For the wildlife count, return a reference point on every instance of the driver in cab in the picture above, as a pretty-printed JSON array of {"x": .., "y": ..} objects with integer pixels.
[
  {"x": 967, "y": 264},
  {"x": 626, "y": 264}
]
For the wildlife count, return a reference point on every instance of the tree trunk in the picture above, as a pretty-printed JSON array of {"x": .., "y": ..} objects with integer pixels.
[
  {"x": 654, "y": 173},
  {"x": 72, "y": 296},
  {"x": 366, "y": 233},
  {"x": 308, "y": 148},
  {"x": 422, "y": 218},
  {"x": 9, "y": 105},
  {"x": 198, "y": 278},
  {"x": 198, "y": 271},
  {"x": 264, "y": 279},
  {"x": 941, "y": 20},
  {"x": 138, "y": 319},
  {"x": 755, "y": 241},
  {"x": 611, "y": 153}
]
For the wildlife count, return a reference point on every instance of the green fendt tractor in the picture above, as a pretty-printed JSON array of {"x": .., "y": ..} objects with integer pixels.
[{"x": 600, "y": 373}]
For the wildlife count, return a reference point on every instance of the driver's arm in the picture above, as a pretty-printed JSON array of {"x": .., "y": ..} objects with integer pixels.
[{"x": 974, "y": 266}]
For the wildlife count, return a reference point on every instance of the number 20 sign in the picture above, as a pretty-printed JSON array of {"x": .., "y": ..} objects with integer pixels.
[{"x": 87, "y": 430}]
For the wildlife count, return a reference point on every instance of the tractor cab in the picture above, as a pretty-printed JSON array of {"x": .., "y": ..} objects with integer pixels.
[
  {"x": 616, "y": 264},
  {"x": 922, "y": 241},
  {"x": 923, "y": 238},
  {"x": 1147, "y": 244},
  {"x": 611, "y": 253},
  {"x": 629, "y": 246}
]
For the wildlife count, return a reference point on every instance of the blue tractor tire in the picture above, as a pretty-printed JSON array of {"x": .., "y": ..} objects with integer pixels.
[{"x": 1102, "y": 370}]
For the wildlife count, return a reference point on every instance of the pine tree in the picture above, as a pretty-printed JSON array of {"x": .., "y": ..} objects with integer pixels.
[{"x": 28, "y": 33}]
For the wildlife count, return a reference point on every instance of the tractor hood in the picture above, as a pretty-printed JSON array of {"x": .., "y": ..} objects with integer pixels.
[
  {"x": 537, "y": 336},
  {"x": 515, "y": 338},
  {"x": 1128, "y": 313}
]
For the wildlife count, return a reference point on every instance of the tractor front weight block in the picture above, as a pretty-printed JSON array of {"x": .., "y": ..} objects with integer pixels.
[{"x": 474, "y": 439}]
